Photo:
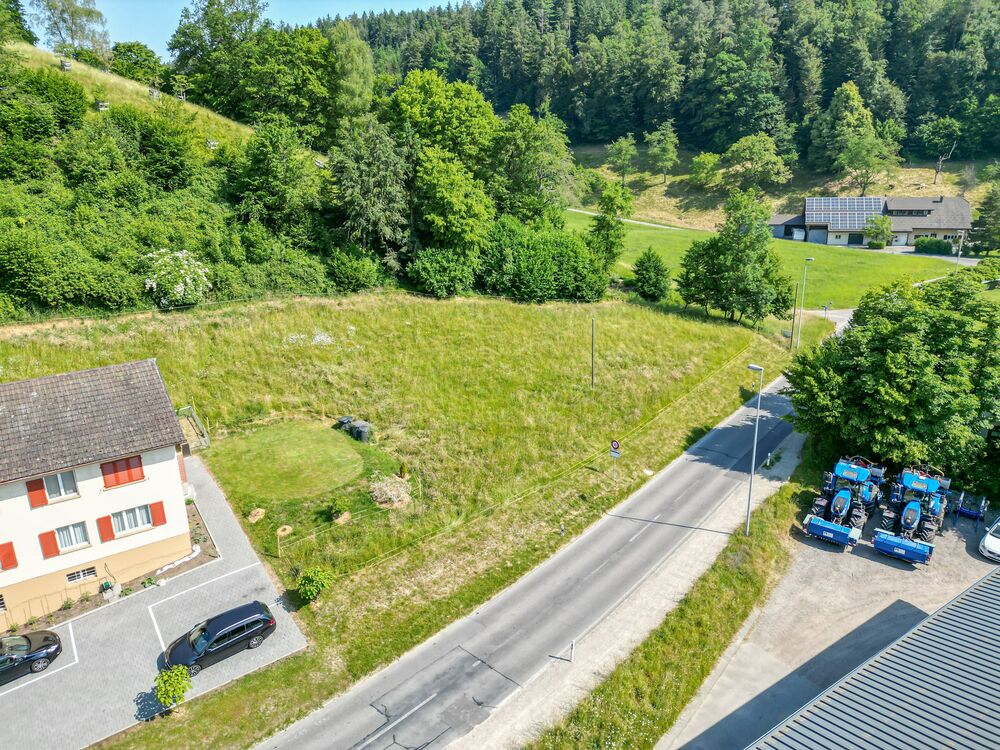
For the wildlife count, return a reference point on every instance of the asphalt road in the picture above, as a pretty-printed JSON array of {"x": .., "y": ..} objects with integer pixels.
[{"x": 443, "y": 688}]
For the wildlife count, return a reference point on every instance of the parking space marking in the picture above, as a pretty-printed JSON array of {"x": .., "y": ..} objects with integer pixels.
[
  {"x": 47, "y": 673},
  {"x": 152, "y": 616}
]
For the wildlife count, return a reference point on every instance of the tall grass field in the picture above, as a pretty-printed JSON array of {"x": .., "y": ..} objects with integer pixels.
[
  {"x": 488, "y": 403},
  {"x": 838, "y": 276}
]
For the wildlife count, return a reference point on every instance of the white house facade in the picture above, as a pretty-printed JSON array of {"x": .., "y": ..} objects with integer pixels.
[
  {"x": 92, "y": 485},
  {"x": 841, "y": 221}
]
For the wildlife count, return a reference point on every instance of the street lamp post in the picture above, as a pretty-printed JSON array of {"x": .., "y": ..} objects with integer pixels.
[
  {"x": 756, "y": 428},
  {"x": 802, "y": 312}
]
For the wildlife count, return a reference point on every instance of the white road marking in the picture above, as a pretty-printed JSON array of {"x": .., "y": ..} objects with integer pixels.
[
  {"x": 47, "y": 673},
  {"x": 648, "y": 524},
  {"x": 387, "y": 727},
  {"x": 156, "y": 627}
]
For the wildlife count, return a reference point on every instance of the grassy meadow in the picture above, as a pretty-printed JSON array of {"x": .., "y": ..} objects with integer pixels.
[
  {"x": 839, "y": 275},
  {"x": 489, "y": 404},
  {"x": 678, "y": 202}
]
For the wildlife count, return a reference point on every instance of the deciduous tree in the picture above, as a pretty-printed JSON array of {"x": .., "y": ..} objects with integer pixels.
[
  {"x": 736, "y": 271},
  {"x": 622, "y": 154},
  {"x": 865, "y": 159},
  {"x": 606, "y": 235},
  {"x": 662, "y": 144},
  {"x": 753, "y": 161}
]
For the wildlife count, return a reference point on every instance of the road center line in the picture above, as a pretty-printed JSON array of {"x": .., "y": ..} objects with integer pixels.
[
  {"x": 636, "y": 534},
  {"x": 387, "y": 727}
]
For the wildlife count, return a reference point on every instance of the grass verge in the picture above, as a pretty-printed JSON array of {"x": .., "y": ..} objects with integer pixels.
[
  {"x": 642, "y": 698},
  {"x": 838, "y": 276}
]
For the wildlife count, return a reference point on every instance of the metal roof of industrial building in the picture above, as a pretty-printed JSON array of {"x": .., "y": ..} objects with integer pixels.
[{"x": 936, "y": 687}]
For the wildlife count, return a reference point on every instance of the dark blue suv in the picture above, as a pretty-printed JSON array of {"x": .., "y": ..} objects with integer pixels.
[
  {"x": 31, "y": 652},
  {"x": 220, "y": 637}
]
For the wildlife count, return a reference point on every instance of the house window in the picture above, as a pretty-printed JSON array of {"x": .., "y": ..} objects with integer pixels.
[
  {"x": 951, "y": 236},
  {"x": 60, "y": 486},
  {"x": 131, "y": 519},
  {"x": 3, "y": 604},
  {"x": 122, "y": 471},
  {"x": 81, "y": 575},
  {"x": 72, "y": 536},
  {"x": 836, "y": 236}
]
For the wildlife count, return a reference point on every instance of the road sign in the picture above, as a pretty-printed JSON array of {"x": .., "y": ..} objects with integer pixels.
[
  {"x": 615, "y": 445},
  {"x": 615, "y": 454}
]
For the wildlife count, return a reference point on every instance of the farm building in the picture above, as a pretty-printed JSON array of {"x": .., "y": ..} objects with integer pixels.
[{"x": 841, "y": 221}]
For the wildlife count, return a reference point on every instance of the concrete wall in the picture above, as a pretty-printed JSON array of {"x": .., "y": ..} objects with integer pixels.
[
  {"x": 122, "y": 558},
  {"x": 836, "y": 238}
]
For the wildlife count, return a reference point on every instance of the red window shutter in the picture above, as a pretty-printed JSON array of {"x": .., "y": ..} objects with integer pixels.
[
  {"x": 50, "y": 547},
  {"x": 135, "y": 469},
  {"x": 157, "y": 513},
  {"x": 37, "y": 497},
  {"x": 110, "y": 472},
  {"x": 122, "y": 471},
  {"x": 105, "y": 528},
  {"x": 8, "y": 559}
]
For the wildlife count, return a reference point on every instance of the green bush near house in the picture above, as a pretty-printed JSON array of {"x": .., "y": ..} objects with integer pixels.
[{"x": 932, "y": 246}]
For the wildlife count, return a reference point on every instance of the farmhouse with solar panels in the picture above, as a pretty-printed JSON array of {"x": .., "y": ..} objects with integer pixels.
[{"x": 841, "y": 221}]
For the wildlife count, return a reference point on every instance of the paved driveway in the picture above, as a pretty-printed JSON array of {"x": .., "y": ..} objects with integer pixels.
[{"x": 102, "y": 683}]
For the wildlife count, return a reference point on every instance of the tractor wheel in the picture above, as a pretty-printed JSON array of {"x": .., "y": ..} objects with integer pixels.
[
  {"x": 819, "y": 507},
  {"x": 888, "y": 520},
  {"x": 927, "y": 528},
  {"x": 857, "y": 517}
]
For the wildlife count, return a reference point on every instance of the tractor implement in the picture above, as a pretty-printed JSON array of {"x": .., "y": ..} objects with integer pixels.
[
  {"x": 910, "y": 550},
  {"x": 828, "y": 531}
]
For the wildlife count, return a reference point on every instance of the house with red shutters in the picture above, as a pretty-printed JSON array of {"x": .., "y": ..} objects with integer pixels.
[{"x": 92, "y": 485}]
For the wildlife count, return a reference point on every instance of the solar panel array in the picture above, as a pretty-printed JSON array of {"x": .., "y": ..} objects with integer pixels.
[
  {"x": 842, "y": 213},
  {"x": 936, "y": 687}
]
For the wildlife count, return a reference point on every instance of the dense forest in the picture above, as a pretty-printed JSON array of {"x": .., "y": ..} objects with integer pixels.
[{"x": 431, "y": 148}]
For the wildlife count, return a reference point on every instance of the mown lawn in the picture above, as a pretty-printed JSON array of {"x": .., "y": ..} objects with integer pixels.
[
  {"x": 489, "y": 403},
  {"x": 642, "y": 698},
  {"x": 838, "y": 276}
]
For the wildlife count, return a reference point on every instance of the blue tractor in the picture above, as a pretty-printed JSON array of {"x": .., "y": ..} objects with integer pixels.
[
  {"x": 913, "y": 513},
  {"x": 849, "y": 497}
]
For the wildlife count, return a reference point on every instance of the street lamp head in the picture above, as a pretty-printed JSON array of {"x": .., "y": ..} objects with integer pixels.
[
  {"x": 755, "y": 368},
  {"x": 809, "y": 260}
]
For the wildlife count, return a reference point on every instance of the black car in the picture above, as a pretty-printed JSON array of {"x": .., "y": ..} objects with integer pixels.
[
  {"x": 221, "y": 636},
  {"x": 31, "y": 652}
]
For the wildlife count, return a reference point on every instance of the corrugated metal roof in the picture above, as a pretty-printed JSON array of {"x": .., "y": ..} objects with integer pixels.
[
  {"x": 61, "y": 421},
  {"x": 936, "y": 687}
]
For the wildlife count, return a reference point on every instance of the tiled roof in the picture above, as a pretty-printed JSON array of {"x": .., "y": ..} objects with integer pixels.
[
  {"x": 946, "y": 213},
  {"x": 85, "y": 417},
  {"x": 936, "y": 687},
  {"x": 798, "y": 220}
]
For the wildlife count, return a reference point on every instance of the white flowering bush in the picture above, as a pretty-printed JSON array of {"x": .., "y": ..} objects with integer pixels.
[{"x": 175, "y": 278}]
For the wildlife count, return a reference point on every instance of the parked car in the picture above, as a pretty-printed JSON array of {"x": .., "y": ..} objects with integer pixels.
[
  {"x": 30, "y": 653},
  {"x": 990, "y": 546},
  {"x": 220, "y": 637}
]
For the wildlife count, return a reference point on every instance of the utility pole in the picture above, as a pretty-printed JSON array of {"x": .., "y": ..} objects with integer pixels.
[
  {"x": 802, "y": 313},
  {"x": 795, "y": 309},
  {"x": 756, "y": 429},
  {"x": 592, "y": 333}
]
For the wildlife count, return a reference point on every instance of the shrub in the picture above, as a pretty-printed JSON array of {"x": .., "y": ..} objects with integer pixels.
[
  {"x": 25, "y": 116},
  {"x": 67, "y": 604},
  {"x": 172, "y": 685},
  {"x": 351, "y": 271},
  {"x": 65, "y": 96},
  {"x": 933, "y": 246},
  {"x": 652, "y": 278},
  {"x": 176, "y": 278},
  {"x": 876, "y": 244},
  {"x": 23, "y": 160},
  {"x": 10, "y": 308},
  {"x": 443, "y": 272},
  {"x": 534, "y": 266},
  {"x": 705, "y": 170},
  {"x": 313, "y": 581}
]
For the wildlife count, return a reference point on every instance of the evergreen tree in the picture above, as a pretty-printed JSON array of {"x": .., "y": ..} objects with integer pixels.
[{"x": 846, "y": 120}]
